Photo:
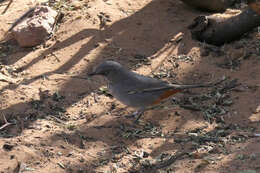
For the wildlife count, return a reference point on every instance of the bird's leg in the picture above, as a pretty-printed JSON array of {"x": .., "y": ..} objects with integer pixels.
[
  {"x": 137, "y": 114},
  {"x": 132, "y": 115}
]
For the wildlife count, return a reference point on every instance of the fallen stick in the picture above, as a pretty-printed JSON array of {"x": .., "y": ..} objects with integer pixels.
[
  {"x": 170, "y": 161},
  {"x": 8, "y": 5},
  {"x": 6, "y": 123}
]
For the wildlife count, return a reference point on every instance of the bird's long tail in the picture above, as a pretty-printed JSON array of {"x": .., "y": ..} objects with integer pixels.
[{"x": 181, "y": 87}]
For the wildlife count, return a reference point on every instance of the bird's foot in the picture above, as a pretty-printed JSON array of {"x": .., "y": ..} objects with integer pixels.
[{"x": 132, "y": 115}]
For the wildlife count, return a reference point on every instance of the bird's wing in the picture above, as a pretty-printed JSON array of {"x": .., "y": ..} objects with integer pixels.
[
  {"x": 147, "y": 84},
  {"x": 140, "y": 83}
]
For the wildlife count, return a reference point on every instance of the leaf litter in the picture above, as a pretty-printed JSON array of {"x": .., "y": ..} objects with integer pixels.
[{"x": 212, "y": 104}]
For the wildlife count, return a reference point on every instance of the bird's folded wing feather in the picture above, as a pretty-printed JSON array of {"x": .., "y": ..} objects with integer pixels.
[{"x": 148, "y": 84}]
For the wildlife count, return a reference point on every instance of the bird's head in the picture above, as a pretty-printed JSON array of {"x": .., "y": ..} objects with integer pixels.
[{"x": 108, "y": 69}]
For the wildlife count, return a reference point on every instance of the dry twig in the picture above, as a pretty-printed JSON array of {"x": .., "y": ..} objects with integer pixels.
[{"x": 6, "y": 123}]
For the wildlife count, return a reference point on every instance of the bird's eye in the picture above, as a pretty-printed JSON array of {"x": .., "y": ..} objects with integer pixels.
[{"x": 105, "y": 73}]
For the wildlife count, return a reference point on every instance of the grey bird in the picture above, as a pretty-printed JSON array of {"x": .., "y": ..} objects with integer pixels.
[{"x": 135, "y": 90}]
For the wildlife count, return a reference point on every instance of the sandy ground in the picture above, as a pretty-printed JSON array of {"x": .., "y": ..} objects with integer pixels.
[{"x": 67, "y": 122}]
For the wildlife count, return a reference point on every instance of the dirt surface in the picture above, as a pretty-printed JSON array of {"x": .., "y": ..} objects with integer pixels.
[{"x": 64, "y": 121}]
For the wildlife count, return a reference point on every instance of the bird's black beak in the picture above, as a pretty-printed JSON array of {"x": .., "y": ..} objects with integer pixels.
[{"x": 92, "y": 74}]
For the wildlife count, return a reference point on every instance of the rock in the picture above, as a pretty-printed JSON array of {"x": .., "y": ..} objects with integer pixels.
[
  {"x": 33, "y": 30},
  {"x": 76, "y": 5}
]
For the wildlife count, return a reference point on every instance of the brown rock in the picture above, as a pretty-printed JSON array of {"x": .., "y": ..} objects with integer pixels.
[{"x": 34, "y": 29}]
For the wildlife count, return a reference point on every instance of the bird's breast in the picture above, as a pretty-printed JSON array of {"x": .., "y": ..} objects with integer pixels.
[{"x": 121, "y": 93}]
